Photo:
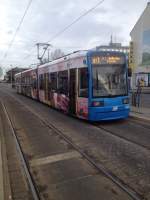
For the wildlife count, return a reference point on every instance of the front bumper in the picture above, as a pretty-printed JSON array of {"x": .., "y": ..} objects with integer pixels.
[{"x": 105, "y": 113}]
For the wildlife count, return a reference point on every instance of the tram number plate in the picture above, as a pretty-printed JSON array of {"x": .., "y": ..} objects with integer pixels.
[{"x": 115, "y": 108}]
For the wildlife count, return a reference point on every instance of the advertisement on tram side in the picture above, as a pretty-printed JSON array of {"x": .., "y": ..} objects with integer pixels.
[{"x": 82, "y": 108}]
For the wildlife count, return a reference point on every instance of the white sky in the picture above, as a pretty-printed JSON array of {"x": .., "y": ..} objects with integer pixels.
[{"x": 47, "y": 17}]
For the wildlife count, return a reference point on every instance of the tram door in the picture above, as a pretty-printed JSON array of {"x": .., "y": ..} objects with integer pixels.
[{"x": 72, "y": 91}]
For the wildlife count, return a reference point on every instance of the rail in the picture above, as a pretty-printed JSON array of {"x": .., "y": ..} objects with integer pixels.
[
  {"x": 32, "y": 185},
  {"x": 99, "y": 167}
]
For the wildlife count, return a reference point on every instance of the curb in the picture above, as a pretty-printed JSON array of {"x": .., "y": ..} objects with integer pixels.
[{"x": 132, "y": 115}]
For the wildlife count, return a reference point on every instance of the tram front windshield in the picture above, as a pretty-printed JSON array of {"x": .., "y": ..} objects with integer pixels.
[{"x": 109, "y": 80}]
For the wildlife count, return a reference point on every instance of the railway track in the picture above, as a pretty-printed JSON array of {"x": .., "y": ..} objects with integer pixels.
[
  {"x": 133, "y": 194},
  {"x": 31, "y": 183},
  {"x": 142, "y": 123},
  {"x": 123, "y": 137}
]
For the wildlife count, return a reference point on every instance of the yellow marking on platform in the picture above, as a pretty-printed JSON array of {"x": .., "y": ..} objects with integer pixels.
[{"x": 55, "y": 158}]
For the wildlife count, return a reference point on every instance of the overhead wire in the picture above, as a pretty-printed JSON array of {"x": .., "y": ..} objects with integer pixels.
[
  {"x": 17, "y": 30},
  {"x": 75, "y": 21},
  {"x": 71, "y": 24}
]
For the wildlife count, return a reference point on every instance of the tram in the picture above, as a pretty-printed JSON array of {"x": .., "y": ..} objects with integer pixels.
[{"x": 91, "y": 85}]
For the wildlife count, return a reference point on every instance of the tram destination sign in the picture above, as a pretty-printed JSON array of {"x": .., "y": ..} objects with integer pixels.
[{"x": 98, "y": 60}]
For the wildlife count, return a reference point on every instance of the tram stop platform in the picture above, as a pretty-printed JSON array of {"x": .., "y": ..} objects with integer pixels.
[{"x": 140, "y": 113}]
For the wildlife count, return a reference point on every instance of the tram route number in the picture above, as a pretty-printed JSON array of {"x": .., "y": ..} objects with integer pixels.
[{"x": 107, "y": 60}]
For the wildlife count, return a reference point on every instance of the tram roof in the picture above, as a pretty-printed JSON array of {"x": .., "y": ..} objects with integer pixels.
[
  {"x": 61, "y": 59},
  {"x": 28, "y": 70},
  {"x": 65, "y": 58}
]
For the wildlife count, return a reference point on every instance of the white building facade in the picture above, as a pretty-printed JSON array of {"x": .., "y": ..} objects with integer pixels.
[{"x": 140, "y": 36}]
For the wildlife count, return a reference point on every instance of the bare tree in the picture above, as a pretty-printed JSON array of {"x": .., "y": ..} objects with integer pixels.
[
  {"x": 57, "y": 54},
  {"x": 1, "y": 72}
]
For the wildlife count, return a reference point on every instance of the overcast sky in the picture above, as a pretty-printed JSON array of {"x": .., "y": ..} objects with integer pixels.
[{"x": 47, "y": 17}]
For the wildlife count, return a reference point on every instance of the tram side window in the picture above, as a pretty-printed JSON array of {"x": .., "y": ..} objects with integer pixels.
[
  {"x": 63, "y": 82},
  {"x": 49, "y": 82},
  {"x": 53, "y": 78},
  {"x": 44, "y": 82},
  {"x": 41, "y": 79},
  {"x": 83, "y": 82},
  {"x": 26, "y": 80},
  {"x": 23, "y": 80},
  {"x": 34, "y": 83},
  {"x": 30, "y": 80}
]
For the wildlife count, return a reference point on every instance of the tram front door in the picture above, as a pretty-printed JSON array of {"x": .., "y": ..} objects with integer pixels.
[{"x": 72, "y": 91}]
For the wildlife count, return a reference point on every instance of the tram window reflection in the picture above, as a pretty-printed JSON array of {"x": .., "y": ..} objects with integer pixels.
[
  {"x": 83, "y": 82},
  {"x": 54, "y": 81},
  {"x": 63, "y": 82}
]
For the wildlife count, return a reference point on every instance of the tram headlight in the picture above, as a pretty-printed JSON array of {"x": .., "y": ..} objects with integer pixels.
[
  {"x": 125, "y": 101},
  {"x": 98, "y": 103}
]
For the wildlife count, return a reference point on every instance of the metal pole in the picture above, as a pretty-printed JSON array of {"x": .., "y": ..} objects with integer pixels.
[
  {"x": 48, "y": 55},
  {"x": 45, "y": 47}
]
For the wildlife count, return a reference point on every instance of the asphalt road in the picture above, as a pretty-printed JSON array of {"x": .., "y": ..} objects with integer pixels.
[{"x": 122, "y": 147}]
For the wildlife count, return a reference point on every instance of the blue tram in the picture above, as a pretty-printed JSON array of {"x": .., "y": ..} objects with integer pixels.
[{"x": 91, "y": 85}]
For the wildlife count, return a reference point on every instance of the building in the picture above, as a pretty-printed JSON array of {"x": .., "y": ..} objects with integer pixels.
[
  {"x": 113, "y": 46},
  {"x": 10, "y": 75},
  {"x": 140, "y": 49},
  {"x": 131, "y": 57}
]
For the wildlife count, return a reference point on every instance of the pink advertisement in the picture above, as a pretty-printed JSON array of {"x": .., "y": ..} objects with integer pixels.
[
  {"x": 82, "y": 108},
  {"x": 62, "y": 102}
]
